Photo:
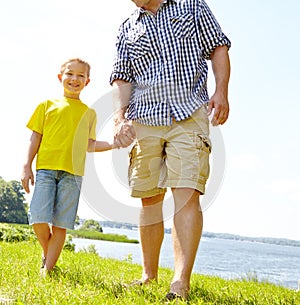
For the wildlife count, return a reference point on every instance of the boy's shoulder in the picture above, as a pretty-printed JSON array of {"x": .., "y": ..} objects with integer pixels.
[
  {"x": 50, "y": 101},
  {"x": 63, "y": 101},
  {"x": 56, "y": 103}
]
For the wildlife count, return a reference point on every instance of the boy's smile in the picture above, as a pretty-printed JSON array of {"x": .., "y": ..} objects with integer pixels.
[{"x": 74, "y": 78}]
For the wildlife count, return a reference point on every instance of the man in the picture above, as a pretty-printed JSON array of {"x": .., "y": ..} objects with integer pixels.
[{"x": 159, "y": 79}]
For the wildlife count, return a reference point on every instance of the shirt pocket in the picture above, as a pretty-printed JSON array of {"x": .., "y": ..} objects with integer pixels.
[
  {"x": 183, "y": 26},
  {"x": 137, "y": 42}
]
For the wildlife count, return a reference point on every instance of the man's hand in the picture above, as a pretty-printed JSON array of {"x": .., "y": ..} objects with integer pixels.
[
  {"x": 124, "y": 133},
  {"x": 221, "y": 109}
]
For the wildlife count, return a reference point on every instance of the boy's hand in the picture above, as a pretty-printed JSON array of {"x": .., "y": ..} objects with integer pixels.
[{"x": 27, "y": 176}]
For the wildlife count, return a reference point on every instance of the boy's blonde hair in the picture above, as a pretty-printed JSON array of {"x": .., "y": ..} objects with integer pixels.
[{"x": 64, "y": 65}]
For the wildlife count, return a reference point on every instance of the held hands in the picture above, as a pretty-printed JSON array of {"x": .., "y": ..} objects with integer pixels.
[
  {"x": 220, "y": 105},
  {"x": 124, "y": 134}
]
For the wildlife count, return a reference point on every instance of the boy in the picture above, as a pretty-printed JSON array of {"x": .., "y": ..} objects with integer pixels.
[{"x": 62, "y": 131}]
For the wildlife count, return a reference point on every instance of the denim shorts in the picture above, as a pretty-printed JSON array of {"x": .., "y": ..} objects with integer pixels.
[
  {"x": 175, "y": 156},
  {"x": 55, "y": 198}
]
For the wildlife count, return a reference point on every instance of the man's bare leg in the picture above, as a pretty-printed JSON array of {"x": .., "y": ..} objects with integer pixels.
[
  {"x": 186, "y": 233},
  {"x": 151, "y": 235}
]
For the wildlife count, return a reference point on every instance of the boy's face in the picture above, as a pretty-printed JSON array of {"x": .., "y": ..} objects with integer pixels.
[{"x": 74, "y": 78}]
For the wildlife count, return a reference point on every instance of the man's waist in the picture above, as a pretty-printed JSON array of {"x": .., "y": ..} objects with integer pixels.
[{"x": 161, "y": 114}]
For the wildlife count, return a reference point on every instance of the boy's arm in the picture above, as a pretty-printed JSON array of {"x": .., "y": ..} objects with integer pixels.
[
  {"x": 27, "y": 174},
  {"x": 97, "y": 146}
]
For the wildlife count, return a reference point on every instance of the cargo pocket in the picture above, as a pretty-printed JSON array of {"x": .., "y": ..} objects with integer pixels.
[
  {"x": 203, "y": 145},
  {"x": 132, "y": 156}
]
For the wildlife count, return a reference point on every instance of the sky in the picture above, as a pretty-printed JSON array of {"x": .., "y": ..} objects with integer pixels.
[{"x": 258, "y": 193}]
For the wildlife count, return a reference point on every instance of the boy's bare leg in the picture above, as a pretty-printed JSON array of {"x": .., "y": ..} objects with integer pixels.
[
  {"x": 55, "y": 246},
  {"x": 186, "y": 233},
  {"x": 42, "y": 232},
  {"x": 151, "y": 235},
  {"x": 52, "y": 244}
]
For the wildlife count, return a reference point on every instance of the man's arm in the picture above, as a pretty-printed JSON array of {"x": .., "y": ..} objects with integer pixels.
[
  {"x": 219, "y": 100},
  {"x": 124, "y": 133},
  {"x": 27, "y": 174}
]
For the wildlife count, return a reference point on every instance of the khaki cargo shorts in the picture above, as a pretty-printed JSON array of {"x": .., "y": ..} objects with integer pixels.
[{"x": 175, "y": 156}]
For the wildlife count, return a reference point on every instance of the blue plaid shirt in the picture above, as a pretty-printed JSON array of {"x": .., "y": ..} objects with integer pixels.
[{"x": 164, "y": 57}]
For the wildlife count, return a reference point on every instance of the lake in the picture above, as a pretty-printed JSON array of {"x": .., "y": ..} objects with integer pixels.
[{"x": 226, "y": 258}]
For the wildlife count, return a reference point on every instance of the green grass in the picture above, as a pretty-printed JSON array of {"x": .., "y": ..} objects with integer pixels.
[
  {"x": 20, "y": 232},
  {"x": 101, "y": 236},
  {"x": 86, "y": 278}
]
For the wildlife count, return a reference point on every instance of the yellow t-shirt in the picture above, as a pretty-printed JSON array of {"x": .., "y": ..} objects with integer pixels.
[{"x": 66, "y": 125}]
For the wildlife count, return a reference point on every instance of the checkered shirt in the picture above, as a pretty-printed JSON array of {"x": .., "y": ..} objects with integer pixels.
[{"x": 164, "y": 57}]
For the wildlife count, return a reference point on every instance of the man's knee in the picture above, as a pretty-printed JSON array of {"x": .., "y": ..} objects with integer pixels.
[
  {"x": 154, "y": 200},
  {"x": 151, "y": 212}
]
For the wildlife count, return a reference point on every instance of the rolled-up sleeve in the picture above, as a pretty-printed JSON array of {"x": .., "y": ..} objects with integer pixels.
[
  {"x": 211, "y": 34},
  {"x": 121, "y": 66}
]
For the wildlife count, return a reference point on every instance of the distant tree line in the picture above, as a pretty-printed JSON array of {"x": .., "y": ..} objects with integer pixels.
[
  {"x": 92, "y": 225},
  {"x": 118, "y": 225},
  {"x": 268, "y": 240}
]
